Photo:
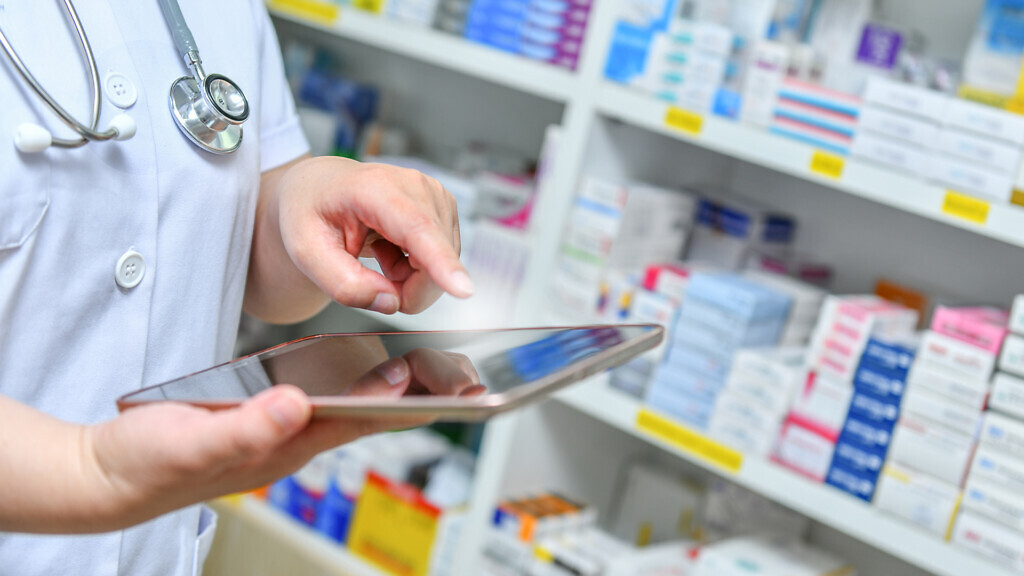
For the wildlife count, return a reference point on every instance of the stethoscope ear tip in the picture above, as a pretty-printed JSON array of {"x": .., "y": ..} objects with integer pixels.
[{"x": 32, "y": 138}]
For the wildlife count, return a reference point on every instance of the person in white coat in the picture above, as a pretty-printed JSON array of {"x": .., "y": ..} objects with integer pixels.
[{"x": 127, "y": 263}]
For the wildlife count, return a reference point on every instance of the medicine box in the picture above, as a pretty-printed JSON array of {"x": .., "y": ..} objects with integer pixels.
[
  {"x": 877, "y": 411},
  {"x": 727, "y": 229},
  {"x": 971, "y": 361},
  {"x": 804, "y": 450},
  {"x": 867, "y": 435},
  {"x": 690, "y": 381},
  {"x": 882, "y": 149},
  {"x": 971, "y": 178},
  {"x": 1002, "y": 433},
  {"x": 1017, "y": 315},
  {"x": 763, "y": 78},
  {"x": 882, "y": 122},
  {"x": 824, "y": 403},
  {"x": 984, "y": 120},
  {"x": 990, "y": 539},
  {"x": 858, "y": 485},
  {"x": 1012, "y": 358},
  {"x": 767, "y": 556},
  {"x": 755, "y": 415},
  {"x": 1007, "y": 395},
  {"x": 935, "y": 408},
  {"x": 969, "y": 392},
  {"x": 668, "y": 279},
  {"x": 772, "y": 395},
  {"x": 981, "y": 327},
  {"x": 931, "y": 448},
  {"x": 742, "y": 297},
  {"x": 879, "y": 384},
  {"x": 783, "y": 367},
  {"x": 997, "y": 467},
  {"x": 917, "y": 497},
  {"x": 738, "y": 434},
  {"x": 890, "y": 356},
  {"x": 928, "y": 105},
  {"x": 994, "y": 501},
  {"x": 856, "y": 459},
  {"x": 690, "y": 357},
  {"x": 1001, "y": 157}
]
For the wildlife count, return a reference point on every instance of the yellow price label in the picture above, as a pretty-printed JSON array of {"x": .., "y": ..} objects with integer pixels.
[
  {"x": 965, "y": 207},
  {"x": 374, "y": 6},
  {"x": 314, "y": 10},
  {"x": 827, "y": 164},
  {"x": 689, "y": 441},
  {"x": 393, "y": 527},
  {"x": 1017, "y": 197},
  {"x": 684, "y": 120}
]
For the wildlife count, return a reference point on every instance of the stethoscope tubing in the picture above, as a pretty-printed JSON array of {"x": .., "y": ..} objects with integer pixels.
[{"x": 87, "y": 133}]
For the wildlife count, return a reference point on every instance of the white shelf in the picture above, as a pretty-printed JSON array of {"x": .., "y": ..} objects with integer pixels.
[
  {"x": 447, "y": 51},
  {"x": 308, "y": 543},
  {"x": 859, "y": 178},
  {"x": 819, "y": 502}
]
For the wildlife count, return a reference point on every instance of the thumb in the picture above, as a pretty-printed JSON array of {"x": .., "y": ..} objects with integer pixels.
[{"x": 258, "y": 426}]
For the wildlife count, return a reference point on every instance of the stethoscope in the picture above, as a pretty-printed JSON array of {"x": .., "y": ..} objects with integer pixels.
[{"x": 209, "y": 116}]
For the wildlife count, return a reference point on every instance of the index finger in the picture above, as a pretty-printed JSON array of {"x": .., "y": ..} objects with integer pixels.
[{"x": 437, "y": 256}]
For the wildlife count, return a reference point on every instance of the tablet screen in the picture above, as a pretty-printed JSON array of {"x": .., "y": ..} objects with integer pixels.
[{"x": 482, "y": 369}]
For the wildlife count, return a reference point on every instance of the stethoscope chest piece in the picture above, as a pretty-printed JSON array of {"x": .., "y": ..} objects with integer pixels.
[{"x": 209, "y": 116}]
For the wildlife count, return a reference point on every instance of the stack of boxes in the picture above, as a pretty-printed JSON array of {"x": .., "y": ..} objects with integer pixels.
[
  {"x": 722, "y": 313},
  {"x": 617, "y": 227},
  {"x": 966, "y": 146},
  {"x": 687, "y": 64},
  {"x": 824, "y": 118},
  {"x": 938, "y": 428},
  {"x": 863, "y": 442},
  {"x": 991, "y": 520},
  {"x": 729, "y": 230},
  {"x": 551, "y": 32},
  {"x": 808, "y": 438},
  {"x": 807, "y": 302},
  {"x": 756, "y": 398}
]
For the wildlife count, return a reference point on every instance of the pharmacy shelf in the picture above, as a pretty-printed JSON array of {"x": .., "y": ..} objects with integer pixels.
[
  {"x": 819, "y": 502},
  {"x": 1004, "y": 222},
  {"x": 308, "y": 543},
  {"x": 437, "y": 48}
]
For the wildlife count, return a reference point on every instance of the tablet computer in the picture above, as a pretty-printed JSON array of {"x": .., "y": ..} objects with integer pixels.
[{"x": 453, "y": 375}]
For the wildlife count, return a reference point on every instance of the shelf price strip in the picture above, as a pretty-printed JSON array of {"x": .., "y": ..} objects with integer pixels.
[
  {"x": 316, "y": 11},
  {"x": 965, "y": 207},
  {"x": 689, "y": 441},
  {"x": 684, "y": 120},
  {"x": 827, "y": 165}
]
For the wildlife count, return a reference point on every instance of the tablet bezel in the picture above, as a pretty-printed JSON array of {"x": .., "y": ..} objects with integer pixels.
[{"x": 448, "y": 407}]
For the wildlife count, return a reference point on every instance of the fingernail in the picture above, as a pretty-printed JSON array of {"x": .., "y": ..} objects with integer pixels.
[
  {"x": 395, "y": 371},
  {"x": 385, "y": 303},
  {"x": 286, "y": 411},
  {"x": 462, "y": 284}
]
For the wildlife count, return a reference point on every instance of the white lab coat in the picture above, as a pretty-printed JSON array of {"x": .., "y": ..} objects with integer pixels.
[{"x": 71, "y": 340}]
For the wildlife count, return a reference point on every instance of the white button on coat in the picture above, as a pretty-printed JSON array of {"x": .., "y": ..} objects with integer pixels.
[
  {"x": 131, "y": 267},
  {"x": 120, "y": 90}
]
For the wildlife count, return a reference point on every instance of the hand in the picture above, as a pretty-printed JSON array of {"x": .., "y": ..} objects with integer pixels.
[
  {"x": 333, "y": 210},
  {"x": 156, "y": 458}
]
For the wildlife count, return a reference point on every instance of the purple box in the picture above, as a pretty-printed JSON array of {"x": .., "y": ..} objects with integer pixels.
[{"x": 879, "y": 46}]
